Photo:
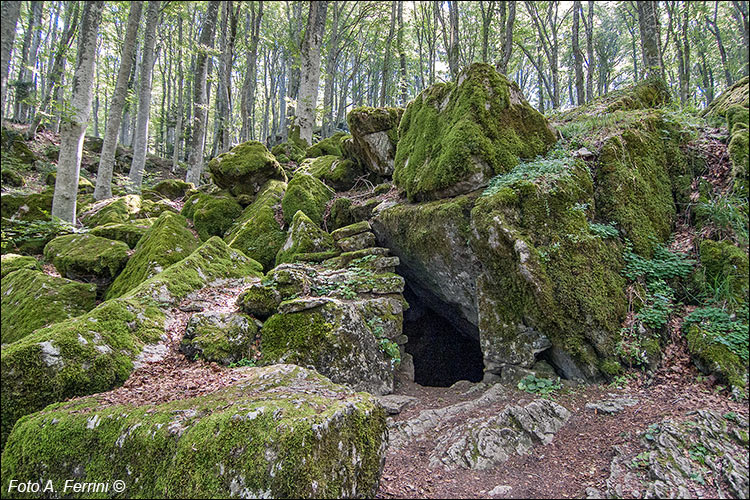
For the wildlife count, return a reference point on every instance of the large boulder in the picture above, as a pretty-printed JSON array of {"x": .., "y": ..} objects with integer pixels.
[
  {"x": 89, "y": 258},
  {"x": 339, "y": 173},
  {"x": 222, "y": 337},
  {"x": 374, "y": 137},
  {"x": 280, "y": 432},
  {"x": 97, "y": 351},
  {"x": 166, "y": 242},
  {"x": 112, "y": 210},
  {"x": 328, "y": 146},
  {"x": 305, "y": 238},
  {"x": 454, "y": 137},
  {"x": 212, "y": 214},
  {"x": 308, "y": 194},
  {"x": 32, "y": 300},
  {"x": 258, "y": 232},
  {"x": 13, "y": 262},
  {"x": 129, "y": 232},
  {"x": 245, "y": 168}
]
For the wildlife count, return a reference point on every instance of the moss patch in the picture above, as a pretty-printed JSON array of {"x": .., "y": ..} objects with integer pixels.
[
  {"x": 86, "y": 257},
  {"x": 308, "y": 194},
  {"x": 13, "y": 262},
  {"x": 166, "y": 242},
  {"x": 454, "y": 137},
  {"x": 129, "y": 233},
  {"x": 114, "y": 210},
  {"x": 328, "y": 146},
  {"x": 338, "y": 173},
  {"x": 257, "y": 232},
  {"x": 245, "y": 168},
  {"x": 213, "y": 215},
  {"x": 305, "y": 236},
  {"x": 32, "y": 300}
]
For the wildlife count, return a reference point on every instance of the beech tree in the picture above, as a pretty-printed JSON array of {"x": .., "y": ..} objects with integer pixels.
[
  {"x": 74, "y": 124},
  {"x": 10, "y": 13},
  {"x": 310, "y": 69}
]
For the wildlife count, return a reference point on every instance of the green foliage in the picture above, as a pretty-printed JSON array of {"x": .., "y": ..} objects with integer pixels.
[
  {"x": 664, "y": 265},
  {"x": 604, "y": 231},
  {"x": 386, "y": 345},
  {"x": 17, "y": 234},
  {"x": 543, "y": 170},
  {"x": 659, "y": 303},
  {"x": 242, "y": 362},
  {"x": 534, "y": 385},
  {"x": 726, "y": 215},
  {"x": 728, "y": 330}
]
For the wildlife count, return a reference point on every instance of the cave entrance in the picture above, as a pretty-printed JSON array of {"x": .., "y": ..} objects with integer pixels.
[{"x": 442, "y": 354}]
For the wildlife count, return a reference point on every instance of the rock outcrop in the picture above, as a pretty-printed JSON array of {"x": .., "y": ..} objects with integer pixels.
[
  {"x": 374, "y": 138},
  {"x": 89, "y": 258},
  {"x": 245, "y": 169}
]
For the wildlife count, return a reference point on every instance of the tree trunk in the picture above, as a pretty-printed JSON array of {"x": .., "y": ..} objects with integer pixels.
[
  {"x": 589, "y": 26},
  {"x": 740, "y": 13},
  {"x": 247, "y": 104},
  {"x": 9, "y": 18},
  {"x": 74, "y": 123},
  {"x": 295, "y": 25},
  {"x": 36, "y": 40},
  {"x": 331, "y": 64},
  {"x": 453, "y": 48},
  {"x": 310, "y": 69},
  {"x": 387, "y": 56},
  {"x": 140, "y": 141},
  {"x": 487, "y": 14},
  {"x": 577, "y": 55},
  {"x": 177, "y": 152},
  {"x": 195, "y": 157},
  {"x": 713, "y": 27},
  {"x": 103, "y": 188},
  {"x": 648, "y": 22},
  {"x": 507, "y": 51},
  {"x": 401, "y": 53},
  {"x": 25, "y": 80}
]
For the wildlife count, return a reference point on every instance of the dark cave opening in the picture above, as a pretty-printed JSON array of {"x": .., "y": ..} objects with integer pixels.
[{"x": 442, "y": 354}]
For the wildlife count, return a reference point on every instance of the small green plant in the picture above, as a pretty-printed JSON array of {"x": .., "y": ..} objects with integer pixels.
[
  {"x": 604, "y": 231},
  {"x": 652, "y": 431},
  {"x": 640, "y": 461},
  {"x": 543, "y": 171},
  {"x": 731, "y": 416},
  {"x": 663, "y": 266},
  {"x": 386, "y": 345},
  {"x": 698, "y": 453},
  {"x": 534, "y": 385},
  {"x": 726, "y": 215},
  {"x": 659, "y": 303},
  {"x": 723, "y": 328},
  {"x": 242, "y": 362}
]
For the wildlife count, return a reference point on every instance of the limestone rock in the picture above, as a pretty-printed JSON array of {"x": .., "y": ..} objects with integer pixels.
[
  {"x": 328, "y": 146},
  {"x": 245, "y": 168},
  {"x": 260, "y": 301},
  {"x": 396, "y": 403},
  {"x": 304, "y": 237},
  {"x": 212, "y": 214},
  {"x": 479, "y": 127},
  {"x": 129, "y": 233},
  {"x": 614, "y": 404},
  {"x": 308, "y": 194},
  {"x": 351, "y": 230},
  {"x": 357, "y": 242},
  {"x": 374, "y": 137},
  {"x": 89, "y": 258},
  {"x": 338, "y": 173},
  {"x": 219, "y": 336},
  {"x": 279, "y": 432}
]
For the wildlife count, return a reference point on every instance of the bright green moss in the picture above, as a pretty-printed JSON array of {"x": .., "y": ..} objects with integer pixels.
[
  {"x": 725, "y": 268},
  {"x": 214, "y": 215},
  {"x": 308, "y": 194},
  {"x": 454, "y": 137},
  {"x": 633, "y": 186},
  {"x": 715, "y": 357},
  {"x": 296, "y": 338},
  {"x": 153, "y": 209},
  {"x": 338, "y": 173},
  {"x": 257, "y": 232},
  {"x": 288, "y": 151},
  {"x": 27, "y": 206},
  {"x": 736, "y": 95},
  {"x": 304, "y": 237},
  {"x": 11, "y": 178},
  {"x": 13, "y": 262},
  {"x": 128, "y": 232},
  {"x": 259, "y": 300},
  {"x": 328, "y": 146},
  {"x": 88, "y": 257},
  {"x": 166, "y": 242},
  {"x": 276, "y": 433},
  {"x": 245, "y": 168},
  {"x": 113, "y": 210},
  {"x": 173, "y": 188},
  {"x": 32, "y": 300}
]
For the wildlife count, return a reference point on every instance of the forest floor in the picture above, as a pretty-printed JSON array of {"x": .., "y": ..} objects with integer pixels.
[{"x": 578, "y": 457}]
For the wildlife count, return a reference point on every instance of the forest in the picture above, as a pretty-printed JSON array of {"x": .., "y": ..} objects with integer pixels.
[{"x": 391, "y": 249}]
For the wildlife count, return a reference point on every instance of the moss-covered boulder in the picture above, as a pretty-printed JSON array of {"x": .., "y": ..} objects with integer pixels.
[
  {"x": 213, "y": 215},
  {"x": 11, "y": 177},
  {"x": 32, "y": 300},
  {"x": 712, "y": 354},
  {"x": 329, "y": 146},
  {"x": 245, "y": 168},
  {"x": 736, "y": 95},
  {"x": 454, "y": 137},
  {"x": 166, "y": 242},
  {"x": 97, "y": 351},
  {"x": 308, "y": 194},
  {"x": 27, "y": 207},
  {"x": 281, "y": 431},
  {"x": 345, "y": 211},
  {"x": 257, "y": 232},
  {"x": 334, "y": 337},
  {"x": 222, "y": 337},
  {"x": 129, "y": 233},
  {"x": 15, "y": 151},
  {"x": 112, "y": 211},
  {"x": 286, "y": 152},
  {"x": 304, "y": 237},
  {"x": 89, "y": 258},
  {"x": 374, "y": 137},
  {"x": 339, "y": 173},
  {"x": 725, "y": 268},
  {"x": 173, "y": 188},
  {"x": 259, "y": 300},
  {"x": 13, "y": 262}
]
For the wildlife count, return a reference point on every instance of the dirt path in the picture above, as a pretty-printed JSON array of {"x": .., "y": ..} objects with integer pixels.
[{"x": 579, "y": 456}]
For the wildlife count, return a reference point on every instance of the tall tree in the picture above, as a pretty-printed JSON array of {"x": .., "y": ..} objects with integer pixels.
[
  {"x": 247, "y": 102},
  {"x": 24, "y": 83},
  {"x": 648, "y": 23},
  {"x": 74, "y": 123},
  {"x": 310, "y": 68},
  {"x": 140, "y": 140},
  {"x": 487, "y": 10},
  {"x": 577, "y": 55},
  {"x": 401, "y": 53},
  {"x": 507, "y": 18},
  {"x": 103, "y": 188},
  {"x": 200, "y": 95},
  {"x": 387, "y": 56},
  {"x": 178, "y": 132},
  {"x": 588, "y": 24},
  {"x": 713, "y": 26},
  {"x": 740, "y": 12},
  {"x": 8, "y": 20}
]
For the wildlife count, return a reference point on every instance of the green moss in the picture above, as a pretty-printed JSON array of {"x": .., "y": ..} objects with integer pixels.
[
  {"x": 245, "y": 168},
  {"x": 257, "y": 232},
  {"x": 296, "y": 338},
  {"x": 259, "y": 300},
  {"x": 308, "y": 194},
  {"x": 368, "y": 120},
  {"x": 611, "y": 367},
  {"x": 338, "y": 173},
  {"x": 478, "y": 128},
  {"x": 214, "y": 215},
  {"x": 127, "y": 232},
  {"x": 32, "y": 300},
  {"x": 12, "y": 178},
  {"x": 726, "y": 268},
  {"x": 633, "y": 187},
  {"x": 151, "y": 209},
  {"x": 112, "y": 211},
  {"x": 224, "y": 338},
  {"x": 305, "y": 236},
  {"x": 276, "y": 433},
  {"x": 288, "y": 151},
  {"x": 715, "y": 357},
  {"x": 13, "y": 262},
  {"x": 27, "y": 206},
  {"x": 328, "y": 146},
  {"x": 736, "y": 95},
  {"x": 87, "y": 257},
  {"x": 173, "y": 188},
  {"x": 166, "y": 242}
]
